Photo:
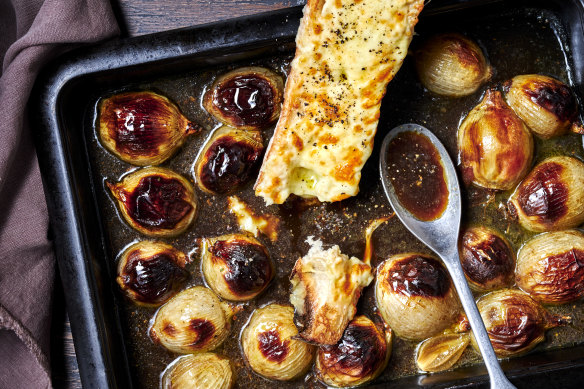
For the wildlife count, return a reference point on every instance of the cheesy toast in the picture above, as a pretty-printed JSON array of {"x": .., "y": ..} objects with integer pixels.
[{"x": 346, "y": 53}]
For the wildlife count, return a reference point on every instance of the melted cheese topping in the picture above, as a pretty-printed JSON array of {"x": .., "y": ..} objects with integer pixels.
[
  {"x": 346, "y": 53},
  {"x": 248, "y": 221}
]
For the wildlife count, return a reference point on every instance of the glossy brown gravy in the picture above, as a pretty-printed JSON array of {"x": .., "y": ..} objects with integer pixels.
[{"x": 417, "y": 175}]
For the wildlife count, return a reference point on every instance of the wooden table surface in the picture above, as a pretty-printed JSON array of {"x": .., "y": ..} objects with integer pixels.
[{"x": 139, "y": 17}]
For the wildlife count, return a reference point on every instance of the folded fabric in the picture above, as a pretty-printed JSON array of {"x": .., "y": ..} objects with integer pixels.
[{"x": 31, "y": 33}]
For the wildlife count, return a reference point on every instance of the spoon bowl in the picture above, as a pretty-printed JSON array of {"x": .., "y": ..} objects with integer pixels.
[{"x": 441, "y": 235}]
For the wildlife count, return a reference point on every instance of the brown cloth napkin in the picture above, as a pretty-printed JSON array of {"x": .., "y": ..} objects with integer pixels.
[{"x": 31, "y": 33}]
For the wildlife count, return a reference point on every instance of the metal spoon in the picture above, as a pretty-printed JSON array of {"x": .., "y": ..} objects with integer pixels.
[{"x": 441, "y": 235}]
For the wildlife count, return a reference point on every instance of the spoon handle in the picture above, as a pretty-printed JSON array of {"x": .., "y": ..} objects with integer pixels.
[{"x": 496, "y": 375}]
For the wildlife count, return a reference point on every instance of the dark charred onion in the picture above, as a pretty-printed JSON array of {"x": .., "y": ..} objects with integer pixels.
[
  {"x": 550, "y": 267},
  {"x": 155, "y": 201},
  {"x": 201, "y": 371},
  {"x": 415, "y": 295},
  {"x": 237, "y": 267},
  {"x": 228, "y": 160},
  {"x": 452, "y": 65},
  {"x": 545, "y": 104},
  {"x": 269, "y": 345},
  {"x": 194, "y": 320},
  {"x": 551, "y": 197},
  {"x": 487, "y": 259},
  {"x": 514, "y": 321},
  {"x": 142, "y": 128},
  {"x": 359, "y": 357},
  {"x": 151, "y": 272},
  {"x": 495, "y": 146},
  {"x": 247, "y": 98}
]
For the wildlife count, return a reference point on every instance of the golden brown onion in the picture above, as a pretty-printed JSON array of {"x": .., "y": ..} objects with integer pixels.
[
  {"x": 359, "y": 357},
  {"x": 194, "y": 320},
  {"x": 269, "y": 344},
  {"x": 228, "y": 160},
  {"x": 151, "y": 272},
  {"x": 452, "y": 65},
  {"x": 551, "y": 197},
  {"x": 415, "y": 295},
  {"x": 441, "y": 352},
  {"x": 545, "y": 104},
  {"x": 487, "y": 259},
  {"x": 550, "y": 267},
  {"x": 248, "y": 98},
  {"x": 515, "y": 322},
  {"x": 156, "y": 201},
  {"x": 201, "y": 371},
  {"x": 237, "y": 267},
  {"x": 495, "y": 146},
  {"x": 142, "y": 128}
]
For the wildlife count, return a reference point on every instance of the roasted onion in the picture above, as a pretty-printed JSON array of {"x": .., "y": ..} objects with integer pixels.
[
  {"x": 248, "y": 98},
  {"x": 452, "y": 65},
  {"x": 550, "y": 267},
  {"x": 545, "y": 104},
  {"x": 228, "y": 160},
  {"x": 551, "y": 197},
  {"x": 442, "y": 351},
  {"x": 237, "y": 267},
  {"x": 514, "y": 321},
  {"x": 359, "y": 357},
  {"x": 151, "y": 272},
  {"x": 415, "y": 295},
  {"x": 156, "y": 201},
  {"x": 495, "y": 146},
  {"x": 487, "y": 259},
  {"x": 194, "y": 320},
  {"x": 201, "y": 371},
  {"x": 142, "y": 128},
  {"x": 269, "y": 344}
]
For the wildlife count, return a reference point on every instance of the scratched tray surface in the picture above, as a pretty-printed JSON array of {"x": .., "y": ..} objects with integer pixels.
[{"x": 516, "y": 42}]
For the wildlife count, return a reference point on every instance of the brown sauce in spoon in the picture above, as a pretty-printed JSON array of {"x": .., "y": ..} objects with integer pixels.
[{"x": 417, "y": 175}]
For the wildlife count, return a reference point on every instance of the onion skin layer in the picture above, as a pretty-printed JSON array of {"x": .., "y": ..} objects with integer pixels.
[
  {"x": 151, "y": 272},
  {"x": 495, "y": 146},
  {"x": 142, "y": 128},
  {"x": 545, "y": 104},
  {"x": 551, "y": 197},
  {"x": 201, "y": 371},
  {"x": 451, "y": 65},
  {"x": 487, "y": 259},
  {"x": 550, "y": 267},
  {"x": 415, "y": 295},
  {"x": 270, "y": 346},
  {"x": 359, "y": 357}
]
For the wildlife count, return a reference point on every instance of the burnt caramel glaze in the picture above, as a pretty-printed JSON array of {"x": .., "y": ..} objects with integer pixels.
[
  {"x": 228, "y": 164},
  {"x": 563, "y": 277},
  {"x": 543, "y": 194},
  {"x": 485, "y": 258},
  {"x": 419, "y": 275},
  {"x": 248, "y": 267},
  {"x": 154, "y": 278},
  {"x": 157, "y": 202},
  {"x": 248, "y": 100},
  {"x": 417, "y": 175},
  {"x": 554, "y": 97},
  {"x": 272, "y": 347},
  {"x": 521, "y": 326}
]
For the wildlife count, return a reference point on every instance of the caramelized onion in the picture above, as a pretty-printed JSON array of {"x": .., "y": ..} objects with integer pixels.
[
  {"x": 201, "y": 371},
  {"x": 228, "y": 160},
  {"x": 270, "y": 346},
  {"x": 487, "y": 259},
  {"x": 415, "y": 295},
  {"x": 248, "y": 98},
  {"x": 151, "y": 272},
  {"x": 551, "y": 197},
  {"x": 237, "y": 267},
  {"x": 495, "y": 146},
  {"x": 142, "y": 128},
  {"x": 550, "y": 267},
  {"x": 545, "y": 104},
  {"x": 452, "y": 65},
  {"x": 359, "y": 357},
  {"x": 156, "y": 201}
]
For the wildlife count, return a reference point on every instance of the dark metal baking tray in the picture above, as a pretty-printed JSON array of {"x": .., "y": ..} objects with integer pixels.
[{"x": 60, "y": 102}]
